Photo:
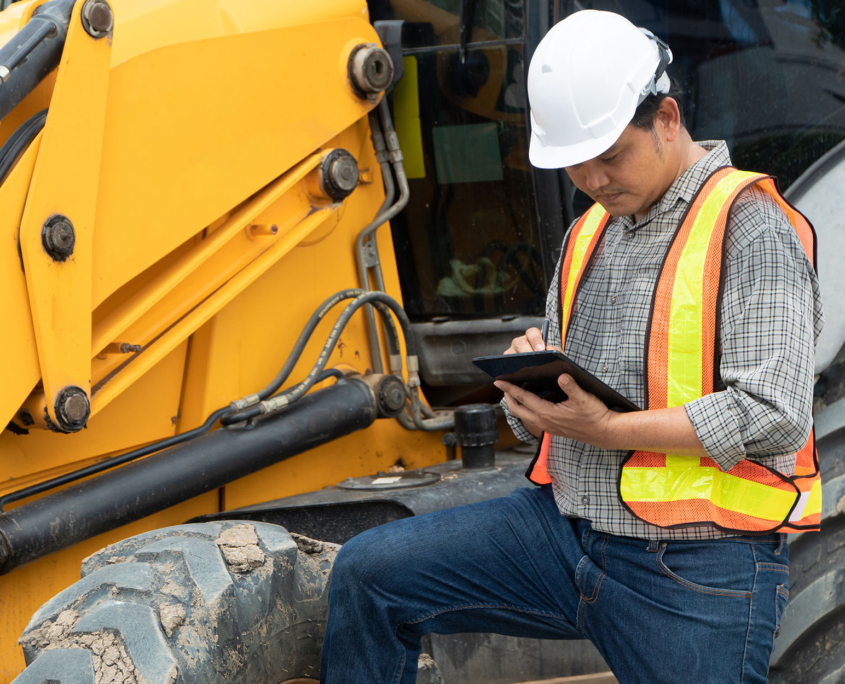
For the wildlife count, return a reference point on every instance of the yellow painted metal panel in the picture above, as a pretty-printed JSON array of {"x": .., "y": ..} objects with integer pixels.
[
  {"x": 17, "y": 344},
  {"x": 145, "y": 413},
  {"x": 148, "y": 25},
  {"x": 225, "y": 116},
  {"x": 60, "y": 291}
]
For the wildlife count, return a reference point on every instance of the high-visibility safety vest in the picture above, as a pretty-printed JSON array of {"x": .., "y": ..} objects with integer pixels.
[{"x": 681, "y": 363}]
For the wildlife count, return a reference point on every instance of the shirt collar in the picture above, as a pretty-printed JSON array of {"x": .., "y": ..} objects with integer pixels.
[{"x": 689, "y": 182}]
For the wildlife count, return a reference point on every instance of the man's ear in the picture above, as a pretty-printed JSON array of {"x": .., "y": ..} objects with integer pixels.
[{"x": 668, "y": 118}]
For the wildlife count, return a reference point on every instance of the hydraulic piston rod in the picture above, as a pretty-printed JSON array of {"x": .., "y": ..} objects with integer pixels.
[{"x": 169, "y": 477}]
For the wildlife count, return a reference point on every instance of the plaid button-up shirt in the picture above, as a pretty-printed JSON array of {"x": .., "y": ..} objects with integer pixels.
[{"x": 771, "y": 319}]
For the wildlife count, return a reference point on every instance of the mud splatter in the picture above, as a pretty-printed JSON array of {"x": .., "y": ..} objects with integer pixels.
[
  {"x": 112, "y": 664},
  {"x": 171, "y": 615},
  {"x": 239, "y": 545}
]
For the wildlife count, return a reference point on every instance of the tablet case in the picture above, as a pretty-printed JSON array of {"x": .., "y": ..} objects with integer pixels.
[{"x": 538, "y": 372}]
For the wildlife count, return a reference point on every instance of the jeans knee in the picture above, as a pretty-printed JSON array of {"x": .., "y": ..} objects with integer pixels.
[{"x": 356, "y": 567}]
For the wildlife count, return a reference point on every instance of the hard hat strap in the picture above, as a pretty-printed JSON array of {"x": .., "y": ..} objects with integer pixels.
[{"x": 657, "y": 83}]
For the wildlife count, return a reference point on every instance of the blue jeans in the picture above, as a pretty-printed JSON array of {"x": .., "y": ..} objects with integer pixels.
[{"x": 657, "y": 611}]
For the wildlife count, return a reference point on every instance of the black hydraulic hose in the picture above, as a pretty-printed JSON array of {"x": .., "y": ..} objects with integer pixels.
[
  {"x": 291, "y": 395},
  {"x": 42, "y": 30},
  {"x": 19, "y": 141},
  {"x": 33, "y": 52},
  {"x": 95, "y": 468},
  {"x": 305, "y": 335},
  {"x": 107, "y": 464},
  {"x": 129, "y": 456}
]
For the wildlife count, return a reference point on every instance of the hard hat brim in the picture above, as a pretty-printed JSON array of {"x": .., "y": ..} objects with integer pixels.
[{"x": 557, "y": 157}]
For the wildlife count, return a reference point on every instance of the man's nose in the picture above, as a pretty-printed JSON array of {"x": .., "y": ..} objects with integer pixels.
[{"x": 594, "y": 178}]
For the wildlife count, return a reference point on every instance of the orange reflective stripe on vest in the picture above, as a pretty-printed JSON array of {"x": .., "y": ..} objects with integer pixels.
[
  {"x": 578, "y": 250},
  {"x": 681, "y": 365}
]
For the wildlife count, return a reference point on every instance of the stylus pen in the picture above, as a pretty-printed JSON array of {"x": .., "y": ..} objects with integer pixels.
[{"x": 545, "y": 331}]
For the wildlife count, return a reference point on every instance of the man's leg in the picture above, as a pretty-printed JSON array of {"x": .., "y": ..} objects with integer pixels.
[
  {"x": 683, "y": 611},
  {"x": 657, "y": 611},
  {"x": 505, "y": 566}
]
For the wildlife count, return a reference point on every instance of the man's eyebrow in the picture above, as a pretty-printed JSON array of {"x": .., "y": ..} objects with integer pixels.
[{"x": 613, "y": 149}]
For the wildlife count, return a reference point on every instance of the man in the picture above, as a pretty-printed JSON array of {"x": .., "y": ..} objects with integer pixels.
[{"x": 659, "y": 534}]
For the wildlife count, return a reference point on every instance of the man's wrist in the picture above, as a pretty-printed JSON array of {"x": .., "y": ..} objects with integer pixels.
[{"x": 615, "y": 431}]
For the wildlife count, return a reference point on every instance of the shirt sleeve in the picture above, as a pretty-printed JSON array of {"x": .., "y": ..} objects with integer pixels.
[
  {"x": 553, "y": 340},
  {"x": 771, "y": 320}
]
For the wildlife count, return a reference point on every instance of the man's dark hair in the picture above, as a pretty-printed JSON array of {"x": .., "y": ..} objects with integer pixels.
[{"x": 647, "y": 111}]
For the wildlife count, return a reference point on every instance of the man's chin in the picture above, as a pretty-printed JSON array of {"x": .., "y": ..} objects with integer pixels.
[{"x": 618, "y": 205}]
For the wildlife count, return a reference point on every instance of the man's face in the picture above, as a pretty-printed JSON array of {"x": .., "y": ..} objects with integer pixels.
[{"x": 631, "y": 176}]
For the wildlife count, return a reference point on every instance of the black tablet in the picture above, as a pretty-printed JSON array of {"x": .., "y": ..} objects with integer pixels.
[{"x": 538, "y": 372}]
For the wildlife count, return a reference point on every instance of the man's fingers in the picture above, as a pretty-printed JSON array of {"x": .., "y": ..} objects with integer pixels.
[
  {"x": 573, "y": 389},
  {"x": 521, "y": 411},
  {"x": 524, "y": 397},
  {"x": 521, "y": 345},
  {"x": 535, "y": 339}
]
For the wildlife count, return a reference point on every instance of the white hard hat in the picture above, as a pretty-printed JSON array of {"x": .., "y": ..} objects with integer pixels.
[{"x": 585, "y": 81}]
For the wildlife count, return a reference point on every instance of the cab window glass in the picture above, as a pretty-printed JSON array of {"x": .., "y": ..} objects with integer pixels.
[
  {"x": 437, "y": 22},
  {"x": 468, "y": 243}
]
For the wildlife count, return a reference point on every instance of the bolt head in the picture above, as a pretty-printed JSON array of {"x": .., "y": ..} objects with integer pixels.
[
  {"x": 338, "y": 175},
  {"x": 391, "y": 396},
  {"x": 378, "y": 71},
  {"x": 72, "y": 409},
  {"x": 76, "y": 407},
  {"x": 370, "y": 69},
  {"x": 58, "y": 237},
  {"x": 98, "y": 17},
  {"x": 62, "y": 235},
  {"x": 345, "y": 173}
]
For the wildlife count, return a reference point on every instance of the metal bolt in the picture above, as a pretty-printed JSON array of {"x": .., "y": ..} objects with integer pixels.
[
  {"x": 75, "y": 407},
  {"x": 97, "y": 18},
  {"x": 391, "y": 396},
  {"x": 72, "y": 409},
  {"x": 58, "y": 237},
  {"x": 344, "y": 172},
  {"x": 370, "y": 69},
  {"x": 339, "y": 175}
]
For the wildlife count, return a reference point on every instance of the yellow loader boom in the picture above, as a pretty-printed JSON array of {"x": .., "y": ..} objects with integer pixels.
[{"x": 197, "y": 186}]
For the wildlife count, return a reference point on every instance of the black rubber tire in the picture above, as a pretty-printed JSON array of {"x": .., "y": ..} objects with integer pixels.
[
  {"x": 193, "y": 604},
  {"x": 810, "y": 648}
]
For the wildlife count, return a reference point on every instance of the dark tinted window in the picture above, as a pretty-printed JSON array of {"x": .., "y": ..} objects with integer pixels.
[
  {"x": 768, "y": 77},
  {"x": 469, "y": 234},
  {"x": 468, "y": 243},
  {"x": 437, "y": 22}
]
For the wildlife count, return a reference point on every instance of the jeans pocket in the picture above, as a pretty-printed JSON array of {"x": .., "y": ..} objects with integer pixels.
[
  {"x": 696, "y": 586},
  {"x": 781, "y": 599}
]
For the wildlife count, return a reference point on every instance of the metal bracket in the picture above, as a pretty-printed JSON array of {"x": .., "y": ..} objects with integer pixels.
[
  {"x": 58, "y": 222},
  {"x": 371, "y": 259},
  {"x": 390, "y": 35}
]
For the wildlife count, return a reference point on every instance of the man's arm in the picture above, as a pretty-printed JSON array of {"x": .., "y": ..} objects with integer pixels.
[{"x": 585, "y": 418}]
